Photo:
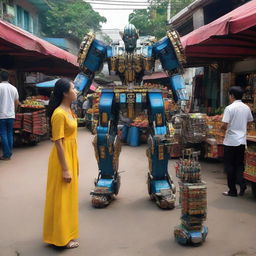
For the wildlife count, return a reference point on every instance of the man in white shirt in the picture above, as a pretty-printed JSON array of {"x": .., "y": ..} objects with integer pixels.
[
  {"x": 9, "y": 100},
  {"x": 235, "y": 119}
]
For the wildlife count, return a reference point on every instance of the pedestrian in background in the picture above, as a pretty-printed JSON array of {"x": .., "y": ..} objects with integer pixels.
[
  {"x": 9, "y": 101},
  {"x": 61, "y": 205},
  {"x": 235, "y": 119}
]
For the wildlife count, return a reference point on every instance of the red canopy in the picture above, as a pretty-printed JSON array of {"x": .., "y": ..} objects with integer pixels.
[
  {"x": 231, "y": 36},
  {"x": 23, "y": 51}
]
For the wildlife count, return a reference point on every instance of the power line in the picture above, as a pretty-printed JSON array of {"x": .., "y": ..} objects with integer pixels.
[
  {"x": 119, "y": 1},
  {"x": 119, "y": 4},
  {"x": 120, "y": 9}
]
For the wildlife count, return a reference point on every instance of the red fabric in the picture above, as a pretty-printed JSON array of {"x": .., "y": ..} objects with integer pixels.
[
  {"x": 28, "y": 48},
  {"x": 234, "y": 22}
]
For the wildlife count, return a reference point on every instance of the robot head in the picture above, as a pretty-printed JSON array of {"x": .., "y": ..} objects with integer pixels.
[{"x": 130, "y": 36}]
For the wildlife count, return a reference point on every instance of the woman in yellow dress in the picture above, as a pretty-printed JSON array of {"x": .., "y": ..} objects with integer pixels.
[{"x": 61, "y": 205}]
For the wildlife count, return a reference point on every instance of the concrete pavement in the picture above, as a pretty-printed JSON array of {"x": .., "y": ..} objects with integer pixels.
[{"x": 132, "y": 225}]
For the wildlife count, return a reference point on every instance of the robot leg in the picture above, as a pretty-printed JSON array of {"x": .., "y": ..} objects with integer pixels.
[
  {"x": 107, "y": 150},
  {"x": 160, "y": 185}
]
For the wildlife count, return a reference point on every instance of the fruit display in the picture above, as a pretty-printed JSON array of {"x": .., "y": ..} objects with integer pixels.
[
  {"x": 140, "y": 121},
  {"x": 32, "y": 103}
]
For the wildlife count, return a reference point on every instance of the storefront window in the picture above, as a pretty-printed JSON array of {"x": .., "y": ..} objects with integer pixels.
[{"x": 26, "y": 20}]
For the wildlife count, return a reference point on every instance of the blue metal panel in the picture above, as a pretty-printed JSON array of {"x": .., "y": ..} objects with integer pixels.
[
  {"x": 161, "y": 130},
  {"x": 82, "y": 81},
  {"x": 138, "y": 97},
  {"x": 106, "y": 101},
  {"x": 159, "y": 167},
  {"x": 147, "y": 51},
  {"x": 109, "y": 52},
  {"x": 156, "y": 102},
  {"x": 102, "y": 130},
  {"x": 164, "y": 51},
  {"x": 107, "y": 183},
  {"x": 177, "y": 82},
  {"x": 96, "y": 56},
  {"x": 178, "y": 86},
  {"x": 157, "y": 185},
  {"x": 122, "y": 98}
]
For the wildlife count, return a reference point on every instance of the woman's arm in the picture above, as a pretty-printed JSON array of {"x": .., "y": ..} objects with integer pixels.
[{"x": 65, "y": 171}]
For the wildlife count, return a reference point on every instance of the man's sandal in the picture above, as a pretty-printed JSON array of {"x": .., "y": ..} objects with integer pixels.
[{"x": 72, "y": 245}]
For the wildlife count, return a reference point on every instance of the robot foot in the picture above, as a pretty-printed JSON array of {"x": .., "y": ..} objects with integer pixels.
[
  {"x": 188, "y": 237},
  {"x": 101, "y": 197},
  {"x": 164, "y": 201},
  {"x": 101, "y": 201}
]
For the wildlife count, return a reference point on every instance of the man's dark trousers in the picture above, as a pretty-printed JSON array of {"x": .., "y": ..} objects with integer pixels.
[
  {"x": 234, "y": 167},
  {"x": 6, "y": 133}
]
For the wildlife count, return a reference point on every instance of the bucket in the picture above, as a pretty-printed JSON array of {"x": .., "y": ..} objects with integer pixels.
[{"x": 133, "y": 136}]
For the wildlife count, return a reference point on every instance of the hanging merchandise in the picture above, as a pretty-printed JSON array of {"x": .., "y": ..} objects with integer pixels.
[{"x": 193, "y": 199}]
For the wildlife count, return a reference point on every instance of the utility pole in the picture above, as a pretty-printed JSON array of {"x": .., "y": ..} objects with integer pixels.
[{"x": 169, "y": 9}]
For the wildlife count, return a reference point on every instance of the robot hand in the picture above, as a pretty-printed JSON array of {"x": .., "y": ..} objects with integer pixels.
[
  {"x": 178, "y": 87},
  {"x": 82, "y": 83}
]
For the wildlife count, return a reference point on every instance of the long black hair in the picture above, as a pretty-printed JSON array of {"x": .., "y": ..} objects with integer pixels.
[{"x": 61, "y": 86}]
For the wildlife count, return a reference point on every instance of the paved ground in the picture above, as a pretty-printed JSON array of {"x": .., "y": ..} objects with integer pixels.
[{"x": 132, "y": 225}]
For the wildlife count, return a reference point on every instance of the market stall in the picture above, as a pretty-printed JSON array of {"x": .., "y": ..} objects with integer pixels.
[{"x": 31, "y": 123}]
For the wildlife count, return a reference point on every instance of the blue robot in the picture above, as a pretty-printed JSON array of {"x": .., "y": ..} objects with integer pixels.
[{"x": 131, "y": 63}]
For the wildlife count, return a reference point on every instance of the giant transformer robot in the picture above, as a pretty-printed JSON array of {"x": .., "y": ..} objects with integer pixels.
[{"x": 131, "y": 63}]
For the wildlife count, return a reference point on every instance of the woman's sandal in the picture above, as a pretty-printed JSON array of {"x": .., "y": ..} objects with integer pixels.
[{"x": 72, "y": 245}]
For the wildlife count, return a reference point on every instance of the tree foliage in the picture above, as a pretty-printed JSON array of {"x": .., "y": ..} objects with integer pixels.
[
  {"x": 153, "y": 20},
  {"x": 71, "y": 18}
]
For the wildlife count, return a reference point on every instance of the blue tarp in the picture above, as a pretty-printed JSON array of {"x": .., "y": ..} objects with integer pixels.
[{"x": 48, "y": 84}]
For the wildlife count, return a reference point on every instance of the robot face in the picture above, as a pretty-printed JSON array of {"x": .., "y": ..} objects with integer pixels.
[{"x": 130, "y": 37}]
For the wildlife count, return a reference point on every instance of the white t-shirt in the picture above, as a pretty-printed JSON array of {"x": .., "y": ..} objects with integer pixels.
[
  {"x": 8, "y": 96},
  {"x": 237, "y": 115}
]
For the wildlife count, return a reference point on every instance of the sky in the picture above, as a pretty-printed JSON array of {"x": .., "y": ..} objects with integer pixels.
[{"x": 116, "y": 18}]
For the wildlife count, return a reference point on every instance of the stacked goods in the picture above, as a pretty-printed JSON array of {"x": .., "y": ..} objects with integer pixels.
[
  {"x": 39, "y": 122},
  {"x": 250, "y": 164},
  {"x": 194, "y": 127},
  {"x": 35, "y": 122},
  {"x": 175, "y": 150},
  {"x": 193, "y": 200},
  {"x": 27, "y": 122},
  {"x": 214, "y": 125},
  {"x": 188, "y": 170},
  {"x": 18, "y": 121},
  {"x": 211, "y": 148}
]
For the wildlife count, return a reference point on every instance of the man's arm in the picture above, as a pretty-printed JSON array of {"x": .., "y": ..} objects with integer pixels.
[
  {"x": 224, "y": 126},
  {"x": 225, "y": 120},
  {"x": 16, "y": 103}
]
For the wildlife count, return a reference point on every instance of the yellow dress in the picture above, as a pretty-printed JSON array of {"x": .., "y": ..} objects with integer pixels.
[{"x": 61, "y": 205}]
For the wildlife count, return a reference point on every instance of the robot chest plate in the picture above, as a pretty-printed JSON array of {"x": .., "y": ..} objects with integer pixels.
[{"x": 129, "y": 62}]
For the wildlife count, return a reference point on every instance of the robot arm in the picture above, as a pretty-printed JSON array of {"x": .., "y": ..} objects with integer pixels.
[
  {"x": 170, "y": 53},
  {"x": 91, "y": 57}
]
